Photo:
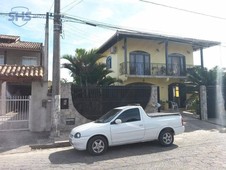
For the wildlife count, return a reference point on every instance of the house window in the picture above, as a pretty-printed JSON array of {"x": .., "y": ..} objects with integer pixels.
[
  {"x": 29, "y": 61},
  {"x": 1, "y": 59},
  {"x": 139, "y": 63},
  {"x": 176, "y": 64},
  {"x": 108, "y": 62}
]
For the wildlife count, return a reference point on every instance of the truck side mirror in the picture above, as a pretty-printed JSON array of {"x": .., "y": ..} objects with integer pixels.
[{"x": 118, "y": 121}]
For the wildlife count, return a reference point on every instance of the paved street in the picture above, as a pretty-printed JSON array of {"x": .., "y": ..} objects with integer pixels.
[{"x": 202, "y": 146}]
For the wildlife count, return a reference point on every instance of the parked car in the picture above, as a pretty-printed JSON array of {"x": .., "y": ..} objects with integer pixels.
[{"x": 125, "y": 125}]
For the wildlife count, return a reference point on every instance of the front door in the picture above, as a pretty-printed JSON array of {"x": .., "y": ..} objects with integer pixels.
[
  {"x": 130, "y": 130},
  {"x": 177, "y": 93}
]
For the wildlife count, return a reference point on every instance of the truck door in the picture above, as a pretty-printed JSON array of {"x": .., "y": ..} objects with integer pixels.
[{"x": 130, "y": 130}]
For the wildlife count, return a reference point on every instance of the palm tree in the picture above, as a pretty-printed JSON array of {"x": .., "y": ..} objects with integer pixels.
[
  {"x": 85, "y": 69},
  {"x": 198, "y": 76},
  {"x": 64, "y": 80}
]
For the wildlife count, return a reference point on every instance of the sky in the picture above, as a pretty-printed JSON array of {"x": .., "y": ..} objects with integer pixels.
[{"x": 132, "y": 14}]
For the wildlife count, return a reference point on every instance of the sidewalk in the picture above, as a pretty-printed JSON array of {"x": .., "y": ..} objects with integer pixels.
[
  {"x": 54, "y": 142},
  {"x": 25, "y": 141},
  {"x": 221, "y": 120}
]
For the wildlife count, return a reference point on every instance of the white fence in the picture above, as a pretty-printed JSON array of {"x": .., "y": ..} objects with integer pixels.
[{"x": 14, "y": 113}]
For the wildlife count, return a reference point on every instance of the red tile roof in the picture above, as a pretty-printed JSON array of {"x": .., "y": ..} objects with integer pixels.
[
  {"x": 9, "y": 37},
  {"x": 16, "y": 72},
  {"x": 22, "y": 45},
  {"x": 13, "y": 42}
]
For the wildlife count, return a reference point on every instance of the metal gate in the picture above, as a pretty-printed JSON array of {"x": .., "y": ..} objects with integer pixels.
[{"x": 14, "y": 113}]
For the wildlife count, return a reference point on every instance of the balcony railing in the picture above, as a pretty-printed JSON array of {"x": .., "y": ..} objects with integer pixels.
[{"x": 153, "y": 69}]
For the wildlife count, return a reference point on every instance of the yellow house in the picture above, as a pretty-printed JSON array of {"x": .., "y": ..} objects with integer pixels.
[{"x": 142, "y": 58}]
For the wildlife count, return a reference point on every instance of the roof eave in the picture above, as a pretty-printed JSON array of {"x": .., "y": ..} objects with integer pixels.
[
  {"x": 196, "y": 43},
  {"x": 22, "y": 49}
]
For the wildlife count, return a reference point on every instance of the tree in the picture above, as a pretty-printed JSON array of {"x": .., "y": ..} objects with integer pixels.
[
  {"x": 86, "y": 70},
  {"x": 64, "y": 80},
  {"x": 198, "y": 76}
]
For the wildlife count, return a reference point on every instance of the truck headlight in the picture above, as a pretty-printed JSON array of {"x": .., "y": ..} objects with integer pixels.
[{"x": 77, "y": 135}]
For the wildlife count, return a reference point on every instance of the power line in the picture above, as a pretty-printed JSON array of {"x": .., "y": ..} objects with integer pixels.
[
  {"x": 67, "y": 18},
  {"x": 51, "y": 6},
  {"x": 75, "y": 32},
  {"x": 184, "y": 10},
  {"x": 75, "y": 19},
  {"x": 72, "y": 3},
  {"x": 69, "y": 4}
]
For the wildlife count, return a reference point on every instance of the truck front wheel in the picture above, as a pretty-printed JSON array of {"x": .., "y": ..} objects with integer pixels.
[
  {"x": 97, "y": 145},
  {"x": 166, "y": 137}
]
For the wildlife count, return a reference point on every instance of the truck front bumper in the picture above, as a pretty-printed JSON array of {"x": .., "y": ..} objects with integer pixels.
[{"x": 78, "y": 143}]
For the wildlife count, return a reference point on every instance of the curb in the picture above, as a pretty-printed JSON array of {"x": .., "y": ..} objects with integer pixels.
[{"x": 51, "y": 145}]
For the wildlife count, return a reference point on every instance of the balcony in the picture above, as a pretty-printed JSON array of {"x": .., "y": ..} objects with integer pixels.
[{"x": 153, "y": 69}]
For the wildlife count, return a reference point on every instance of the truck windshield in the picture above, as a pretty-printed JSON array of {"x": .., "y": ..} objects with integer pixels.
[{"x": 108, "y": 116}]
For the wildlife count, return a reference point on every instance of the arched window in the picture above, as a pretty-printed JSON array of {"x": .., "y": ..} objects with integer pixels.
[
  {"x": 139, "y": 63},
  {"x": 176, "y": 64},
  {"x": 108, "y": 62}
]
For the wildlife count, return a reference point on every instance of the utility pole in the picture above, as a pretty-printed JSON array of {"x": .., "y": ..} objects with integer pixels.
[
  {"x": 46, "y": 48},
  {"x": 56, "y": 69}
]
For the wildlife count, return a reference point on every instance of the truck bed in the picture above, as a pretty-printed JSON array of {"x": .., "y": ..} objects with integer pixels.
[{"x": 162, "y": 114}]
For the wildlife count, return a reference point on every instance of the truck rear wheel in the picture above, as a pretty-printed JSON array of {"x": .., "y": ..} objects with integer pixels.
[{"x": 166, "y": 137}]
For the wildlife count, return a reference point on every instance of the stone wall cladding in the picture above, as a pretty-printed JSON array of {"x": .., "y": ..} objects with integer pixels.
[
  {"x": 71, "y": 112},
  {"x": 151, "y": 106},
  {"x": 203, "y": 103}
]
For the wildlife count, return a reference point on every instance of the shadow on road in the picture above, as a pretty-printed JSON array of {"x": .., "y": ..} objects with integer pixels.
[{"x": 73, "y": 156}]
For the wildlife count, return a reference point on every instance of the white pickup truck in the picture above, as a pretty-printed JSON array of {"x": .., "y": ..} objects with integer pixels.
[{"x": 124, "y": 125}]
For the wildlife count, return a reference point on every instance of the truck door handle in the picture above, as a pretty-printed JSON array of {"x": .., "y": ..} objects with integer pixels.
[{"x": 141, "y": 125}]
